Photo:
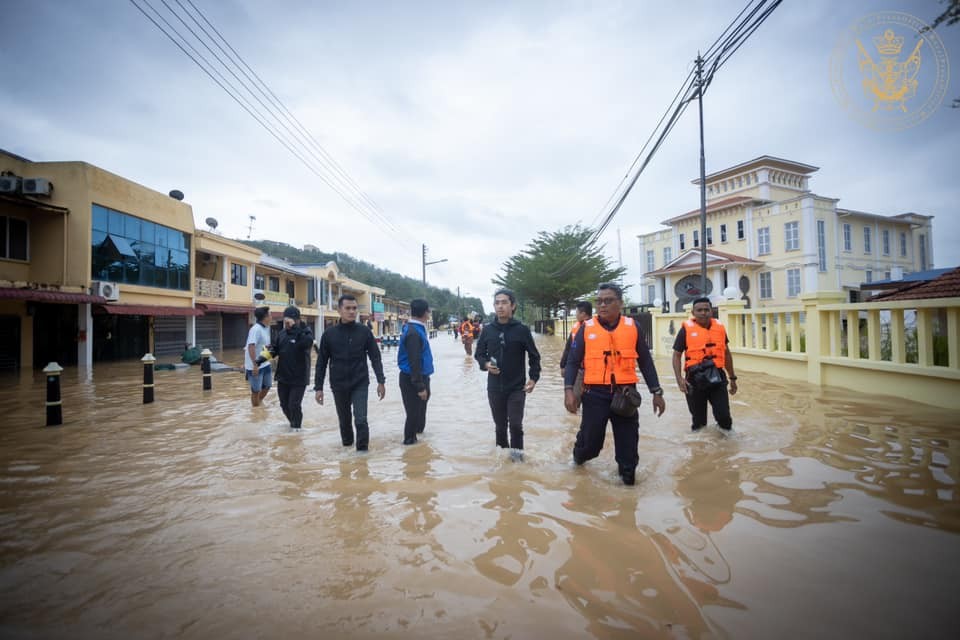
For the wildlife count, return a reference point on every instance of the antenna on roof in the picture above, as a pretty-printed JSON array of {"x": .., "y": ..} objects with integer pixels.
[{"x": 250, "y": 228}]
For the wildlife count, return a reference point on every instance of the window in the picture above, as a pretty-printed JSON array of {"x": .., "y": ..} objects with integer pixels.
[
  {"x": 723, "y": 233},
  {"x": 866, "y": 240},
  {"x": 14, "y": 238},
  {"x": 651, "y": 293},
  {"x": 274, "y": 283},
  {"x": 696, "y": 238},
  {"x": 885, "y": 241},
  {"x": 709, "y": 235},
  {"x": 821, "y": 245},
  {"x": 903, "y": 244},
  {"x": 651, "y": 256},
  {"x": 886, "y": 275},
  {"x": 793, "y": 282},
  {"x": 792, "y": 236},
  {"x": 740, "y": 234},
  {"x": 136, "y": 251},
  {"x": 667, "y": 255},
  {"x": 922, "y": 242},
  {"x": 682, "y": 243},
  {"x": 311, "y": 291},
  {"x": 847, "y": 238},
  {"x": 763, "y": 240},
  {"x": 869, "y": 276},
  {"x": 291, "y": 289},
  {"x": 238, "y": 274},
  {"x": 766, "y": 285},
  {"x": 259, "y": 282}
]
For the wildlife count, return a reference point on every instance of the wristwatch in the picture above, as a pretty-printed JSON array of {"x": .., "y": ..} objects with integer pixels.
[
  {"x": 658, "y": 391},
  {"x": 733, "y": 377}
]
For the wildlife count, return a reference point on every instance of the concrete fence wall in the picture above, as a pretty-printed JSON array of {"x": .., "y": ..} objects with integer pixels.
[{"x": 907, "y": 349}]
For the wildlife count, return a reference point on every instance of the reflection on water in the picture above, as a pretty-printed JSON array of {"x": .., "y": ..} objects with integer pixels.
[{"x": 201, "y": 516}]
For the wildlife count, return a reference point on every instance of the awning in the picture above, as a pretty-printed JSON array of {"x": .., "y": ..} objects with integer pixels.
[
  {"x": 145, "y": 310},
  {"x": 212, "y": 307},
  {"x": 56, "y": 297}
]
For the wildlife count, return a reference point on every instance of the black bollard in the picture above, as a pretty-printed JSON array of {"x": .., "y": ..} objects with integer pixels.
[
  {"x": 54, "y": 405},
  {"x": 205, "y": 367},
  {"x": 148, "y": 361}
]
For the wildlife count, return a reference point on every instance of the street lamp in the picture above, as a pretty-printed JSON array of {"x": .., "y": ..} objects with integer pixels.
[{"x": 425, "y": 263}]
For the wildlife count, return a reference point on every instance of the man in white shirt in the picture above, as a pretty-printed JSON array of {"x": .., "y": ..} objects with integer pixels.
[{"x": 259, "y": 375}]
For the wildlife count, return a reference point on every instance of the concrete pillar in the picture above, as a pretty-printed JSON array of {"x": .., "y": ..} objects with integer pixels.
[
  {"x": 817, "y": 330},
  {"x": 85, "y": 346}
]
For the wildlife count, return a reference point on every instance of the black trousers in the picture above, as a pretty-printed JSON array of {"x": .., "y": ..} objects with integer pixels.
[
  {"x": 291, "y": 401},
  {"x": 356, "y": 400},
  {"x": 507, "y": 409},
  {"x": 415, "y": 408},
  {"x": 717, "y": 397},
  {"x": 596, "y": 412}
]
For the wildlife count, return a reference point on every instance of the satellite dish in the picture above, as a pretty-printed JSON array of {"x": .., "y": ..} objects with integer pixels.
[
  {"x": 212, "y": 223},
  {"x": 176, "y": 194}
]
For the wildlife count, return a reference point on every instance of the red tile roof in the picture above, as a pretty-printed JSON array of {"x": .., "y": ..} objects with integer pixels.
[
  {"x": 944, "y": 286},
  {"x": 716, "y": 206},
  {"x": 145, "y": 310},
  {"x": 43, "y": 295}
]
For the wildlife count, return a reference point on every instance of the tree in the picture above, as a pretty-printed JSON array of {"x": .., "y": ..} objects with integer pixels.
[
  {"x": 558, "y": 268},
  {"x": 950, "y": 16}
]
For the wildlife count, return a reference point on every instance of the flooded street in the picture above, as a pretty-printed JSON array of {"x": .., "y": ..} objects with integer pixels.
[{"x": 826, "y": 514}]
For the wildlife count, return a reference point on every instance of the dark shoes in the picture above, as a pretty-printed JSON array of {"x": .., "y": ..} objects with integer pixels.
[
  {"x": 361, "y": 447},
  {"x": 629, "y": 476},
  {"x": 409, "y": 441},
  {"x": 697, "y": 427}
]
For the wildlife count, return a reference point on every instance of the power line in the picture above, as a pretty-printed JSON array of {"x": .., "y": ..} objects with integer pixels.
[
  {"x": 720, "y": 51},
  {"x": 354, "y": 196}
]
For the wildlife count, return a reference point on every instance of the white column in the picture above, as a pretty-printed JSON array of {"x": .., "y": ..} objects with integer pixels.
[
  {"x": 85, "y": 347},
  {"x": 192, "y": 331}
]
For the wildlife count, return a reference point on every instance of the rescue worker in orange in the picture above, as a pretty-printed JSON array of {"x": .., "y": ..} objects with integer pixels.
[
  {"x": 708, "y": 366},
  {"x": 466, "y": 334},
  {"x": 584, "y": 313},
  {"x": 609, "y": 347}
]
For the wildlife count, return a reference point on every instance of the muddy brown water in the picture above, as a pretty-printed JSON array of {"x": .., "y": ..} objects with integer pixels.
[{"x": 826, "y": 514}]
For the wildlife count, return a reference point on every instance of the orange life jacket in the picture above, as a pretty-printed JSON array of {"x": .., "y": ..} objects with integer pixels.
[
  {"x": 705, "y": 342},
  {"x": 466, "y": 329},
  {"x": 610, "y": 353},
  {"x": 576, "y": 327}
]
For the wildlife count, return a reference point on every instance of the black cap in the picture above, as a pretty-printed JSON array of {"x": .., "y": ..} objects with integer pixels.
[{"x": 291, "y": 312}]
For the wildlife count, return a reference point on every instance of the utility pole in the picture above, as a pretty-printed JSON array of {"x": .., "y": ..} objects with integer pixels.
[
  {"x": 425, "y": 263},
  {"x": 703, "y": 184}
]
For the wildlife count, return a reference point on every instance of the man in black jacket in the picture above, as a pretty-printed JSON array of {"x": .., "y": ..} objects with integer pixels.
[
  {"x": 293, "y": 365},
  {"x": 500, "y": 352},
  {"x": 346, "y": 346}
]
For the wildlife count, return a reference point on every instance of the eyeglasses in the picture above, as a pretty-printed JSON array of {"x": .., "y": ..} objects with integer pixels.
[{"x": 605, "y": 301}]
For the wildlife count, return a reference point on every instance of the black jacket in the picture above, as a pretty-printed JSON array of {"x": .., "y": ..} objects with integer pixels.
[
  {"x": 346, "y": 347},
  {"x": 507, "y": 343},
  {"x": 293, "y": 350}
]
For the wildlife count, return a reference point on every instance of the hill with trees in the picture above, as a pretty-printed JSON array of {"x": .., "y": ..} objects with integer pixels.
[{"x": 443, "y": 302}]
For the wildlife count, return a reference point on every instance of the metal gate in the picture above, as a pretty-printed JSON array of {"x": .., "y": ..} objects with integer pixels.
[
  {"x": 169, "y": 335},
  {"x": 208, "y": 332}
]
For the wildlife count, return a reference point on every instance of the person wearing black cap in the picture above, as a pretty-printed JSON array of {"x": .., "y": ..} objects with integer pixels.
[
  {"x": 293, "y": 364},
  {"x": 258, "y": 372}
]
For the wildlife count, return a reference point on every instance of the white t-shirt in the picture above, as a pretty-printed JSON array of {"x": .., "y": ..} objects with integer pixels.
[{"x": 259, "y": 337}]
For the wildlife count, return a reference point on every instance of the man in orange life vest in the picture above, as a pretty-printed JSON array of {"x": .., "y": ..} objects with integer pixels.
[
  {"x": 584, "y": 312},
  {"x": 708, "y": 367},
  {"x": 609, "y": 347}
]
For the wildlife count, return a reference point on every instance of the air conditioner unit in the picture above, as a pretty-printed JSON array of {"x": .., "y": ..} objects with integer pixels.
[
  {"x": 9, "y": 184},
  {"x": 36, "y": 187},
  {"x": 108, "y": 290}
]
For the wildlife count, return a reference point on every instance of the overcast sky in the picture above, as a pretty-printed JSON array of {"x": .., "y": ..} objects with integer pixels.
[{"x": 472, "y": 126}]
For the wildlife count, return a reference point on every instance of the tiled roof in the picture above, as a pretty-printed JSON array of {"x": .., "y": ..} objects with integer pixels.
[
  {"x": 944, "y": 286},
  {"x": 714, "y": 206}
]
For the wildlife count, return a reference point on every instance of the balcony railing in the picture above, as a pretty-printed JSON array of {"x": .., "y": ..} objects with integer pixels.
[{"x": 209, "y": 288}]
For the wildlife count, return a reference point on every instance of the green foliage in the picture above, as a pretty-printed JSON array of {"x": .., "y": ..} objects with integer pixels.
[
  {"x": 558, "y": 268},
  {"x": 443, "y": 302}
]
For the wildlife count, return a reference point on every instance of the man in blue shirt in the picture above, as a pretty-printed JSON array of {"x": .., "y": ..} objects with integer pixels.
[{"x": 415, "y": 362}]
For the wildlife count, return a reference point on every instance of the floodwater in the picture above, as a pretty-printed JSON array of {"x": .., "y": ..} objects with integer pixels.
[{"x": 825, "y": 514}]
